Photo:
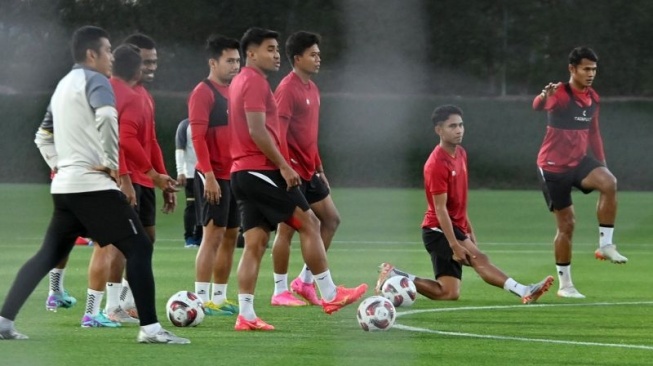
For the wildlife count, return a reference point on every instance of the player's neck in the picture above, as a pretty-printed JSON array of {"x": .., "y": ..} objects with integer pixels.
[
  {"x": 131, "y": 83},
  {"x": 303, "y": 76},
  {"x": 214, "y": 78},
  {"x": 449, "y": 148},
  {"x": 576, "y": 86},
  {"x": 260, "y": 70}
]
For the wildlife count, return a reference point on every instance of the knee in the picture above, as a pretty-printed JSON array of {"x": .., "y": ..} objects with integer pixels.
[{"x": 331, "y": 224}]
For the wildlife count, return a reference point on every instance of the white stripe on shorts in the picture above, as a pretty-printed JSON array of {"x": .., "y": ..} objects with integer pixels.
[{"x": 263, "y": 177}]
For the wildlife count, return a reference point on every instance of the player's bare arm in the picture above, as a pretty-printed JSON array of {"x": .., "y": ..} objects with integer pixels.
[
  {"x": 127, "y": 188},
  {"x": 263, "y": 140},
  {"x": 460, "y": 253},
  {"x": 163, "y": 181}
]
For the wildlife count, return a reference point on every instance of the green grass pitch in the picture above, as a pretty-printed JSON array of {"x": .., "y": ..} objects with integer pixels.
[{"x": 487, "y": 326}]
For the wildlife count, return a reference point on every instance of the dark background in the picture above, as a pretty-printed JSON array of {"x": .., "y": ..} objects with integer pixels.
[{"x": 386, "y": 65}]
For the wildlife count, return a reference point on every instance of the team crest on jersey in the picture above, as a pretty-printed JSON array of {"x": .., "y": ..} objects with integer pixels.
[
  {"x": 453, "y": 173},
  {"x": 308, "y": 101}
]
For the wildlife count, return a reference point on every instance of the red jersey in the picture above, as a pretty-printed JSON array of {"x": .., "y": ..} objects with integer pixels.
[
  {"x": 250, "y": 92},
  {"x": 572, "y": 127},
  {"x": 146, "y": 136},
  {"x": 131, "y": 116},
  {"x": 444, "y": 173},
  {"x": 299, "y": 108},
  {"x": 207, "y": 113}
]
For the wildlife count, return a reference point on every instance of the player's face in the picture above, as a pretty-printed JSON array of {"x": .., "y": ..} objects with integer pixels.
[
  {"x": 149, "y": 65},
  {"x": 227, "y": 66},
  {"x": 103, "y": 60},
  {"x": 266, "y": 56},
  {"x": 309, "y": 61},
  {"x": 584, "y": 73},
  {"x": 452, "y": 130}
]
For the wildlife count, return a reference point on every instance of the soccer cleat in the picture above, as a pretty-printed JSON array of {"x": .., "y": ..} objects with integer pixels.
[
  {"x": 192, "y": 243},
  {"x": 131, "y": 311},
  {"x": 83, "y": 241},
  {"x": 162, "y": 336},
  {"x": 98, "y": 321},
  {"x": 305, "y": 290},
  {"x": 11, "y": 333},
  {"x": 118, "y": 315},
  {"x": 212, "y": 309},
  {"x": 385, "y": 272},
  {"x": 229, "y": 306},
  {"x": 536, "y": 290},
  {"x": 59, "y": 300},
  {"x": 344, "y": 296},
  {"x": 286, "y": 299},
  {"x": 256, "y": 324},
  {"x": 609, "y": 252},
  {"x": 570, "y": 293}
]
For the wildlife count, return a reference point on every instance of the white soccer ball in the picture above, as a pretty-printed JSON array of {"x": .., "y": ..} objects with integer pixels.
[
  {"x": 376, "y": 313},
  {"x": 400, "y": 290},
  {"x": 185, "y": 309}
]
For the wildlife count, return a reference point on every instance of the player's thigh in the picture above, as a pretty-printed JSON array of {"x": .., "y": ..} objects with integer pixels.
[
  {"x": 326, "y": 210},
  {"x": 441, "y": 255},
  {"x": 599, "y": 178},
  {"x": 557, "y": 189}
]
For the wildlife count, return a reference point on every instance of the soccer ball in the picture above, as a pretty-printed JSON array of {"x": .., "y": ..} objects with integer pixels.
[
  {"x": 376, "y": 313},
  {"x": 185, "y": 309},
  {"x": 400, "y": 290}
]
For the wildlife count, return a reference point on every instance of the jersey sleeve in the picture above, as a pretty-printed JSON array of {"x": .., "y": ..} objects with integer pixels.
[
  {"x": 436, "y": 178},
  {"x": 285, "y": 101},
  {"x": 129, "y": 121},
  {"x": 200, "y": 104},
  {"x": 181, "y": 137},
  {"x": 99, "y": 92},
  {"x": 595, "y": 139}
]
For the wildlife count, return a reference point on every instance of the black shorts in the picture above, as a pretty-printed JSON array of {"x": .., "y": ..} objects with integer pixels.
[
  {"x": 314, "y": 190},
  {"x": 437, "y": 246},
  {"x": 104, "y": 216},
  {"x": 224, "y": 214},
  {"x": 556, "y": 187},
  {"x": 145, "y": 205},
  {"x": 263, "y": 200}
]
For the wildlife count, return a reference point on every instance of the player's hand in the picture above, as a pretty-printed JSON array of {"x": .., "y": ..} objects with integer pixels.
[
  {"x": 324, "y": 179},
  {"x": 549, "y": 89},
  {"x": 130, "y": 194},
  {"x": 165, "y": 182},
  {"x": 212, "y": 192},
  {"x": 461, "y": 254},
  {"x": 181, "y": 180},
  {"x": 113, "y": 174},
  {"x": 169, "y": 202},
  {"x": 290, "y": 176}
]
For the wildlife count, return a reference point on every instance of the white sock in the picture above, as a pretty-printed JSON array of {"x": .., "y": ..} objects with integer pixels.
[
  {"x": 280, "y": 283},
  {"x": 605, "y": 235},
  {"x": 126, "y": 295},
  {"x": 114, "y": 289},
  {"x": 56, "y": 280},
  {"x": 93, "y": 301},
  {"x": 515, "y": 287},
  {"x": 152, "y": 329},
  {"x": 202, "y": 290},
  {"x": 219, "y": 294},
  {"x": 306, "y": 275},
  {"x": 402, "y": 273},
  {"x": 564, "y": 276},
  {"x": 326, "y": 285},
  {"x": 6, "y": 323},
  {"x": 246, "y": 306}
]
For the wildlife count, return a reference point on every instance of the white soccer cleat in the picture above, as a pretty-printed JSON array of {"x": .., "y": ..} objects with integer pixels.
[
  {"x": 609, "y": 252},
  {"x": 570, "y": 293},
  {"x": 162, "y": 336},
  {"x": 11, "y": 333},
  {"x": 119, "y": 315},
  {"x": 536, "y": 290},
  {"x": 385, "y": 272}
]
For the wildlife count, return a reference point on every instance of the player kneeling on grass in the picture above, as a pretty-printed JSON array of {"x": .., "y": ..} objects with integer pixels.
[{"x": 446, "y": 230}]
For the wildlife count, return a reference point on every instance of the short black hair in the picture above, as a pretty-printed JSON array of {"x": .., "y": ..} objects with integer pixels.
[
  {"x": 579, "y": 53},
  {"x": 87, "y": 37},
  {"x": 442, "y": 113},
  {"x": 298, "y": 42},
  {"x": 216, "y": 43},
  {"x": 127, "y": 61},
  {"x": 140, "y": 40},
  {"x": 256, "y": 36}
]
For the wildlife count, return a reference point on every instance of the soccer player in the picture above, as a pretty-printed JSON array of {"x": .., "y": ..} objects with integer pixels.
[
  {"x": 185, "y": 161},
  {"x": 217, "y": 211},
  {"x": 143, "y": 184},
  {"x": 265, "y": 185},
  {"x": 84, "y": 117},
  {"x": 563, "y": 162},
  {"x": 446, "y": 230},
  {"x": 298, "y": 101}
]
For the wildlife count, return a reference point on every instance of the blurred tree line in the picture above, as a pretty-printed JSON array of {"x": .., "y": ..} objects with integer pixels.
[{"x": 447, "y": 47}]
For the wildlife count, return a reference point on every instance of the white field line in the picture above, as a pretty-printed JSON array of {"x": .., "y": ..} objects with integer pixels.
[{"x": 521, "y": 339}]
